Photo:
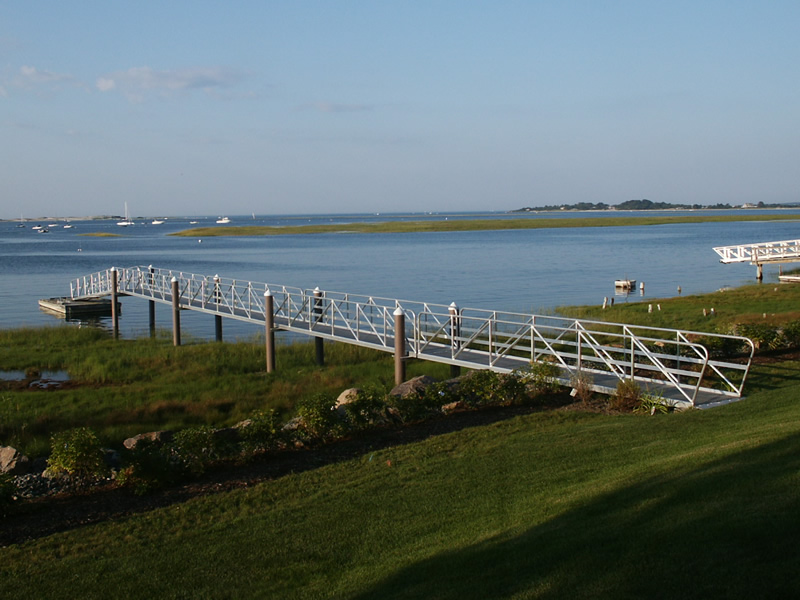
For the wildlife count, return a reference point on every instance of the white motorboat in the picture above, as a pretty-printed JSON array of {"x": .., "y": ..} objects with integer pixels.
[{"x": 223, "y": 220}]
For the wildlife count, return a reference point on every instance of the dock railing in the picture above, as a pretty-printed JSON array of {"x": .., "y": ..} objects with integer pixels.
[{"x": 675, "y": 364}]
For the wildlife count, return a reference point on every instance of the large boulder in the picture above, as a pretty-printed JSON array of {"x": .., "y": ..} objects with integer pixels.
[
  {"x": 415, "y": 386},
  {"x": 157, "y": 437},
  {"x": 12, "y": 461}
]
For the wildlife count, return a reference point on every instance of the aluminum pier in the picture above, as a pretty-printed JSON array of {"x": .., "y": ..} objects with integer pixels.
[
  {"x": 760, "y": 254},
  {"x": 677, "y": 365}
]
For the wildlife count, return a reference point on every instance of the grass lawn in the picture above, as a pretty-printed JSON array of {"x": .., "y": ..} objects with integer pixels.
[
  {"x": 552, "y": 505},
  {"x": 557, "y": 504}
]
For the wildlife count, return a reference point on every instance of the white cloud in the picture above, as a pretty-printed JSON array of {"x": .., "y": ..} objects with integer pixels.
[
  {"x": 104, "y": 84},
  {"x": 33, "y": 76},
  {"x": 138, "y": 81}
]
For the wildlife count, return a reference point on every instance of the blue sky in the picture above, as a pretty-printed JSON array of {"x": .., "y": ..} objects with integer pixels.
[{"x": 183, "y": 108}]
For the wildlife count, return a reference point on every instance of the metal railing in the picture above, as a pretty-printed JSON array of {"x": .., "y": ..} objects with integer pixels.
[
  {"x": 674, "y": 363},
  {"x": 783, "y": 251}
]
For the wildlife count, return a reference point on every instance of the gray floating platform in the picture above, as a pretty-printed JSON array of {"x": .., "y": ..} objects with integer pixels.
[{"x": 69, "y": 308}]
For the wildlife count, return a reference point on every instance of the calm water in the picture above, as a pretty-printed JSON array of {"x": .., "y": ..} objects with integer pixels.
[{"x": 523, "y": 271}]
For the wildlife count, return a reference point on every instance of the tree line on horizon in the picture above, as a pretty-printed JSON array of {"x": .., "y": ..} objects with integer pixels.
[{"x": 644, "y": 204}]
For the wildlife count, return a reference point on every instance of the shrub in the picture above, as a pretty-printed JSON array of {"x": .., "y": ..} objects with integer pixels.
[
  {"x": 487, "y": 388},
  {"x": 361, "y": 412},
  {"x": 581, "y": 383},
  {"x": 763, "y": 335},
  {"x": 320, "y": 421},
  {"x": 627, "y": 396},
  {"x": 147, "y": 467},
  {"x": 8, "y": 489},
  {"x": 261, "y": 435},
  {"x": 542, "y": 376},
  {"x": 77, "y": 453},
  {"x": 195, "y": 448},
  {"x": 791, "y": 333},
  {"x": 420, "y": 405},
  {"x": 651, "y": 404}
]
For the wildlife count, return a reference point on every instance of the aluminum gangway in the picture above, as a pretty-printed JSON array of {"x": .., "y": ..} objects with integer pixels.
[
  {"x": 760, "y": 253},
  {"x": 686, "y": 368}
]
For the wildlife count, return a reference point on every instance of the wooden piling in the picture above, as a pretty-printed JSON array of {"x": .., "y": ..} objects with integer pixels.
[
  {"x": 176, "y": 314},
  {"x": 114, "y": 309},
  {"x": 455, "y": 336},
  {"x": 269, "y": 326},
  {"x": 399, "y": 346},
  {"x": 152, "y": 303},
  {"x": 319, "y": 343}
]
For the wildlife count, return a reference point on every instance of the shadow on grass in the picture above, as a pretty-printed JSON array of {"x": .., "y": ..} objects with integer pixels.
[{"x": 728, "y": 529}]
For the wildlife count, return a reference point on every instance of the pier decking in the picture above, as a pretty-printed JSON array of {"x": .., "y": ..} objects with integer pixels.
[
  {"x": 676, "y": 365},
  {"x": 760, "y": 254}
]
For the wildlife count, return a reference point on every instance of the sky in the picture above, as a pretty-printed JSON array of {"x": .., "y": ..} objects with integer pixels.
[{"x": 224, "y": 108}]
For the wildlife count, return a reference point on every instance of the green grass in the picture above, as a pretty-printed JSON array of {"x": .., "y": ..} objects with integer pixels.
[
  {"x": 101, "y": 234},
  {"x": 133, "y": 386},
  {"x": 747, "y": 304},
  {"x": 475, "y": 225},
  {"x": 702, "y": 504}
]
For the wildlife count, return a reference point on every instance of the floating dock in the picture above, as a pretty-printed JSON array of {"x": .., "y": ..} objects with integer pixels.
[{"x": 86, "y": 307}]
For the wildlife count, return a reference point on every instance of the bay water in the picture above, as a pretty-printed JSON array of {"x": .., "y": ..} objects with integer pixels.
[{"x": 535, "y": 270}]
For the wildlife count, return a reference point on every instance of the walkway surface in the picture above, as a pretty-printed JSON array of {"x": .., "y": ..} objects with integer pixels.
[{"x": 677, "y": 365}]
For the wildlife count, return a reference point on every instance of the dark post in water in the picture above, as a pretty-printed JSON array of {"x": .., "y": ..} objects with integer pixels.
[
  {"x": 319, "y": 348},
  {"x": 114, "y": 311},
  {"x": 399, "y": 346},
  {"x": 176, "y": 314},
  {"x": 269, "y": 326}
]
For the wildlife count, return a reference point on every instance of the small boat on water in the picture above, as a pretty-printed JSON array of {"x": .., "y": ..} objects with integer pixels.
[
  {"x": 157, "y": 222},
  {"x": 625, "y": 284},
  {"x": 223, "y": 220},
  {"x": 127, "y": 221}
]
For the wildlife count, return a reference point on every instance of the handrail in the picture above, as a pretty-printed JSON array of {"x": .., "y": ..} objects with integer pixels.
[{"x": 675, "y": 360}]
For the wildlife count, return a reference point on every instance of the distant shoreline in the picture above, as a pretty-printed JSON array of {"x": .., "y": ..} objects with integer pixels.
[{"x": 473, "y": 225}]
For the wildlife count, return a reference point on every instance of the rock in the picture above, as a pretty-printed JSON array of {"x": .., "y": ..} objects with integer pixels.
[
  {"x": 412, "y": 386},
  {"x": 11, "y": 461},
  {"x": 348, "y": 396},
  {"x": 157, "y": 437}
]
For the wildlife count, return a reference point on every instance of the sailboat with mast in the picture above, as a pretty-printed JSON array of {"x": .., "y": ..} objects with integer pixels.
[{"x": 127, "y": 220}]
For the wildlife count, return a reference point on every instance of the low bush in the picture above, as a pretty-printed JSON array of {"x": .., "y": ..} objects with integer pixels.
[
  {"x": 196, "y": 448},
  {"x": 319, "y": 419},
  {"x": 361, "y": 413},
  {"x": 487, "y": 388},
  {"x": 77, "y": 453},
  {"x": 627, "y": 396},
  {"x": 581, "y": 383},
  {"x": 542, "y": 376},
  {"x": 149, "y": 466},
  {"x": 8, "y": 489},
  {"x": 262, "y": 433}
]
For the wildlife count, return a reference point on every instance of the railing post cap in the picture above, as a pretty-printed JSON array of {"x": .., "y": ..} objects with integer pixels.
[
  {"x": 398, "y": 312},
  {"x": 453, "y": 305},
  {"x": 174, "y": 279},
  {"x": 113, "y": 268},
  {"x": 267, "y": 293}
]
